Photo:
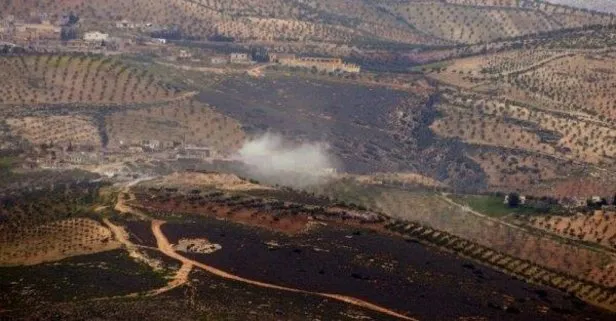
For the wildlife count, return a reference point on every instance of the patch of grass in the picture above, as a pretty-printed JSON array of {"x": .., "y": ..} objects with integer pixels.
[
  {"x": 491, "y": 205},
  {"x": 6, "y": 163},
  {"x": 430, "y": 67}
]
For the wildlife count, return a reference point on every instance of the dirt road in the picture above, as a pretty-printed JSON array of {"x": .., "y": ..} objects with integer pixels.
[
  {"x": 121, "y": 204},
  {"x": 182, "y": 274},
  {"x": 166, "y": 248}
]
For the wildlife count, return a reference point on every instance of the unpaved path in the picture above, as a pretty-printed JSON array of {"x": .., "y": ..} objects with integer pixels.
[
  {"x": 133, "y": 250},
  {"x": 166, "y": 248},
  {"x": 181, "y": 276},
  {"x": 469, "y": 210},
  {"x": 121, "y": 205}
]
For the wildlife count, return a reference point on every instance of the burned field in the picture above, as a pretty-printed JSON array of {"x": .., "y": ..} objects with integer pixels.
[
  {"x": 369, "y": 128},
  {"x": 207, "y": 298},
  {"x": 107, "y": 274},
  {"x": 264, "y": 304},
  {"x": 377, "y": 268},
  {"x": 320, "y": 250},
  {"x": 139, "y": 232}
]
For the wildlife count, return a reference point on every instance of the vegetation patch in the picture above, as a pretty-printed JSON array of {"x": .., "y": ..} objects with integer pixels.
[
  {"x": 69, "y": 79},
  {"x": 493, "y": 206}
]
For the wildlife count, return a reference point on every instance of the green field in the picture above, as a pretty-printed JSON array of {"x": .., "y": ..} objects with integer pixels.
[
  {"x": 491, "y": 205},
  {"x": 430, "y": 67},
  {"x": 6, "y": 163}
]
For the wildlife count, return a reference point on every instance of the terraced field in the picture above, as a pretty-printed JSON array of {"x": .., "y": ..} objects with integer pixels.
[
  {"x": 531, "y": 117},
  {"x": 596, "y": 227},
  {"x": 244, "y": 20},
  {"x": 54, "y": 241},
  {"x": 62, "y": 130},
  {"x": 575, "y": 83},
  {"x": 546, "y": 142},
  {"x": 68, "y": 79},
  {"x": 330, "y": 21},
  {"x": 182, "y": 121},
  {"x": 602, "y": 295},
  {"x": 441, "y": 222},
  {"x": 510, "y": 170},
  {"x": 483, "y": 21}
]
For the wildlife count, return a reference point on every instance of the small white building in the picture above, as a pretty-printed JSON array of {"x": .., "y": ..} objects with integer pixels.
[
  {"x": 195, "y": 152},
  {"x": 95, "y": 36},
  {"x": 152, "y": 144},
  {"x": 219, "y": 60},
  {"x": 522, "y": 199},
  {"x": 161, "y": 41},
  {"x": 185, "y": 54},
  {"x": 596, "y": 199},
  {"x": 239, "y": 58}
]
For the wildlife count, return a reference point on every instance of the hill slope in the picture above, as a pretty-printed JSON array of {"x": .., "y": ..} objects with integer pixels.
[{"x": 332, "y": 21}]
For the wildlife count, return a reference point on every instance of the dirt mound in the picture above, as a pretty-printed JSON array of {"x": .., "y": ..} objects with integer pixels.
[{"x": 201, "y": 246}]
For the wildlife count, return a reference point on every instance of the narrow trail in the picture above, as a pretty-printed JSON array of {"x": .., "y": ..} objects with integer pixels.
[
  {"x": 121, "y": 204},
  {"x": 166, "y": 248},
  {"x": 469, "y": 210},
  {"x": 133, "y": 250},
  {"x": 180, "y": 278}
]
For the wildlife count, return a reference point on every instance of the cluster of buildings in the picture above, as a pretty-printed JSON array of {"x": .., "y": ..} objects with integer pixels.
[
  {"x": 320, "y": 64},
  {"x": 20, "y": 31},
  {"x": 63, "y": 154},
  {"x": 172, "y": 149},
  {"x": 569, "y": 202},
  {"x": 236, "y": 58},
  {"x": 95, "y": 36},
  {"x": 67, "y": 34},
  {"x": 290, "y": 60},
  {"x": 125, "y": 24}
]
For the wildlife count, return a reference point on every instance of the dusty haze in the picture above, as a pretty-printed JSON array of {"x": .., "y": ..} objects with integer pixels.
[{"x": 272, "y": 157}]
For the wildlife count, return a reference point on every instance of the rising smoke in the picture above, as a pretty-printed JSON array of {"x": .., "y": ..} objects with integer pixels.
[{"x": 274, "y": 159}]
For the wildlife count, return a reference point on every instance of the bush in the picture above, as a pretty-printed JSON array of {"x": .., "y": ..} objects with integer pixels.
[{"x": 513, "y": 200}]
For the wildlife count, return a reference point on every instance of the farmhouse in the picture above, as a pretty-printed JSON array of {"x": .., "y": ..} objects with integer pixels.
[
  {"x": 81, "y": 157},
  {"x": 29, "y": 31},
  {"x": 155, "y": 144},
  {"x": 522, "y": 199},
  {"x": 125, "y": 24},
  {"x": 184, "y": 54},
  {"x": 95, "y": 36},
  {"x": 239, "y": 58},
  {"x": 195, "y": 152},
  {"x": 321, "y": 64},
  {"x": 218, "y": 60}
]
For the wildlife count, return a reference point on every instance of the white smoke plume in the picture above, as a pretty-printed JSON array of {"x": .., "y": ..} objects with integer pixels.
[{"x": 271, "y": 157}]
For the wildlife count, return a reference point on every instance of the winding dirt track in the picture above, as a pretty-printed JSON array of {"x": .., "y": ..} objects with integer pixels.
[
  {"x": 165, "y": 247},
  {"x": 181, "y": 276}
]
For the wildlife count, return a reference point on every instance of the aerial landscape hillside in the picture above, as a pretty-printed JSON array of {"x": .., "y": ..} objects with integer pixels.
[{"x": 307, "y": 160}]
